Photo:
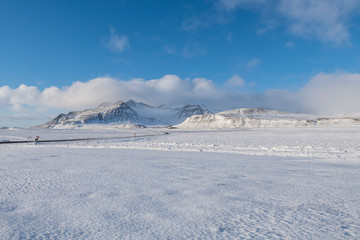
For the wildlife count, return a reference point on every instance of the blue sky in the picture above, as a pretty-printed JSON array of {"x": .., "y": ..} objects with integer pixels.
[{"x": 67, "y": 55}]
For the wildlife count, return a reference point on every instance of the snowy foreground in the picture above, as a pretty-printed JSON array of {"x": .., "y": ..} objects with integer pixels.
[{"x": 295, "y": 183}]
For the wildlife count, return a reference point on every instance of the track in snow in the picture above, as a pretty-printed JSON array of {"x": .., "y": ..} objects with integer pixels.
[{"x": 82, "y": 139}]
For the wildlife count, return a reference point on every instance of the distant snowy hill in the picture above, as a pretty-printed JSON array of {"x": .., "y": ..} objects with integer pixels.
[
  {"x": 256, "y": 118},
  {"x": 127, "y": 112},
  {"x": 132, "y": 113}
]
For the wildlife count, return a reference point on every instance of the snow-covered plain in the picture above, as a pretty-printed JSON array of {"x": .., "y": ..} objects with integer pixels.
[{"x": 267, "y": 183}]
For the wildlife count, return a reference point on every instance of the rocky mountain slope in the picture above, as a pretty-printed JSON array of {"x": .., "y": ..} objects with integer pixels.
[
  {"x": 168, "y": 115},
  {"x": 127, "y": 112}
]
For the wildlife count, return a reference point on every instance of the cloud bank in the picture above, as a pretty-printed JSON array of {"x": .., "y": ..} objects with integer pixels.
[
  {"x": 336, "y": 93},
  {"x": 327, "y": 94},
  {"x": 169, "y": 89}
]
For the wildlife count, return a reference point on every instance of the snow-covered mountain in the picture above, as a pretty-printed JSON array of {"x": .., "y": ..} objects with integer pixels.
[
  {"x": 256, "y": 118},
  {"x": 168, "y": 115},
  {"x": 190, "y": 116},
  {"x": 127, "y": 112},
  {"x": 104, "y": 113}
]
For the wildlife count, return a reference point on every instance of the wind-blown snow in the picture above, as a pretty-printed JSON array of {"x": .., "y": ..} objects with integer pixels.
[{"x": 289, "y": 183}]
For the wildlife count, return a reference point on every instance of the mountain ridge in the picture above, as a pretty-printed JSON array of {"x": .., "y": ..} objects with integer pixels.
[
  {"x": 127, "y": 112},
  {"x": 190, "y": 116}
]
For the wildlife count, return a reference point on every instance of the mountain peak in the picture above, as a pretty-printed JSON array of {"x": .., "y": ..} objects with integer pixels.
[
  {"x": 105, "y": 105},
  {"x": 133, "y": 103},
  {"x": 191, "y": 110}
]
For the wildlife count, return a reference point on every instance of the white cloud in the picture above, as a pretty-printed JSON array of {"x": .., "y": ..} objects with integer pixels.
[
  {"x": 16, "y": 98},
  {"x": 117, "y": 43},
  {"x": 252, "y": 63},
  {"x": 169, "y": 49},
  {"x": 324, "y": 20},
  {"x": 80, "y": 94},
  {"x": 194, "y": 23},
  {"x": 168, "y": 83},
  {"x": 193, "y": 50},
  {"x": 336, "y": 93},
  {"x": 289, "y": 44},
  {"x": 4, "y": 94},
  {"x": 169, "y": 89},
  {"x": 230, "y": 5},
  {"x": 204, "y": 89},
  {"x": 235, "y": 81},
  {"x": 229, "y": 38}
]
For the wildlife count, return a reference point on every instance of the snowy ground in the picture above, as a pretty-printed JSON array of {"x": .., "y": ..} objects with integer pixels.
[{"x": 301, "y": 183}]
